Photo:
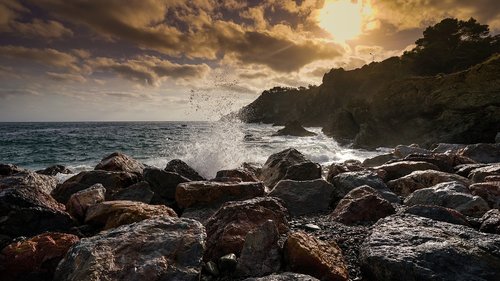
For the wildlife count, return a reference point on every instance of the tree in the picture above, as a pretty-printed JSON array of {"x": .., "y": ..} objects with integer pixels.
[{"x": 452, "y": 45}]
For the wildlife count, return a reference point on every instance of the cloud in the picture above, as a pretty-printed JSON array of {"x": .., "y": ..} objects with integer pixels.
[
  {"x": 47, "y": 56},
  {"x": 40, "y": 28},
  {"x": 5, "y": 93},
  {"x": 66, "y": 77},
  {"x": 9, "y": 11}
]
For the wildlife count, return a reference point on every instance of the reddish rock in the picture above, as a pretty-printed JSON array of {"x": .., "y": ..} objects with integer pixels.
[
  {"x": 404, "y": 186},
  {"x": 36, "y": 257},
  {"x": 489, "y": 191},
  {"x": 228, "y": 227},
  {"x": 79, "y": 202},
  {"x": 402, "y": 168},
  {"x": 119, "y": 162},
  {"x": 243, "y": 175},
  {"x": 306, "y": 254},
  {"x": 361, "y": 205}
]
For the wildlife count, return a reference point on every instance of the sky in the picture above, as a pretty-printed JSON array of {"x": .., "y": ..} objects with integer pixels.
[{"x": 170, "y": 60}]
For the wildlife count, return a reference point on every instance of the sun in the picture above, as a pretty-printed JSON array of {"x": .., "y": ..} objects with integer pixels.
[{"x": 343, "y": 19}]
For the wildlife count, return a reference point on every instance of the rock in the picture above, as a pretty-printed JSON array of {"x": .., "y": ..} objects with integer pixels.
[
  {"x": 445, "y": 162},
  {"x": 478, "y": 175},
  {"x": 303, "y": 171},
  {"x": 497, "y": 138},
  {"x": 201, "y": 214},
  {"x": 254, "y": 168},
  {"x": 180, "y": 167},
  {"x": 140, "y": 192},
  {"x": 408, "y": 247},
  {"x": 489, "y": 191},
  {"x": 277, "y": 166},
  {"x": 35, "y": 258},
  {"x": 401, "y": 151},
  {"x": 261, "y": 253},
  {"x": 378, "y": 160},
  {"x": 112, "y": 181},
  {"x": 404, "y": 186},
  {"x": 243, "y": 175},
  {"x": 438, "y": 213},
  {"x": 311, "y": 227},
  {"x": 111, "y": 214},
  {"x": 304, "y": 197},
  {"x": 304, "y": 253},
  {"x": 286, "y": 276},
  {"x": 9, "y": 170},
  {"x": 163, "y": 183},
  {"x": 492, "y": 178},
  {"x": 345, "y": 167},
  {"x": 452, "y": 148},
  {"x": 402, "y": 168},
  {"x": 465, "y": 169},
  {"x": 228, "y": 263},
  {"x": 228, "y": 227},
  {"x": 345, "y": 182},
  {"x": 453, "y": 195},
  {"x": 162, "y": 248},
  {"x": 362, "y": 205},
  {"x": 29, "y": 179},
  {"x": 490, "y": 222},
  {"x": 119, "y": 162},
  {"x": 294, "y": 128},
  {"x": 54, "y": 170},
  {"x": 79, "y": 202},
  {"x": 206, "y": 193},
  {"x": 28, "y": 212},
  {"x": 482, "y": 152},
  {"x": 211, "y": 268}
]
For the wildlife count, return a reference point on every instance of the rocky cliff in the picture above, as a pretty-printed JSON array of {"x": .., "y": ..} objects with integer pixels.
[{"x": 384, "y": 104}]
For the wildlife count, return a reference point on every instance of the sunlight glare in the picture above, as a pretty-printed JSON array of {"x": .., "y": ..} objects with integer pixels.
[{"x": 343, "y": 19}]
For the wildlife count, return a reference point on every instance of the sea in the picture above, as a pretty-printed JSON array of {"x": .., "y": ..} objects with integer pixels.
[{"x": 206, "y": 146}]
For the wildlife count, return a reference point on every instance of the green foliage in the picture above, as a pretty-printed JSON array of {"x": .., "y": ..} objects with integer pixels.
[{"x": 452, "y": 45}]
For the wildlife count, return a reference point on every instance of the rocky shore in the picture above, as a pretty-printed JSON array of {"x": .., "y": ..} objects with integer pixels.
[{"x": 413, "y": 214}]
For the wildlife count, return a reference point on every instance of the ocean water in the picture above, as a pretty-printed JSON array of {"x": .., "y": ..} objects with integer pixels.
[{"x": 206, "y": 146}]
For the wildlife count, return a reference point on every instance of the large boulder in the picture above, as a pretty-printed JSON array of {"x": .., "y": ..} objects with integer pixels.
[
  {"x": 451, "y": 195},
  {"x": 399, "y": 169},
  {"x": 465, "y": 169},
  {"x": 29, "y": 179},
  {"x": 140, "y": 192},
  {"x": 277, "y": 165},
  {"x": 261, "y": 253},
  {"x": 379, "y": 160},
  {"x": 286, "y": 276},
  {"x": 414, "y": 248},
  {"x": 445, "y": 162},
  {"x": 401, "y": 151},
  {"x": 362, "y": 205},
  {"x": 119, "y": 162},
  {"x": 438, "y": 213},
  {"x": 206, "y": 193},
  {"x": 229, "y": 226},
  {"x": 490, "y": 222},
  {"x": 479, "y": 174},
  {"x": 111, "y": 214},
  {"x": 112, "y": 181},
  {"x": 304, "y": 197},
  {"x": 306, "y": 254},
  {"x": 9, "y": 170},
  {"x": 162, "y": 248},
  {"x": 54, "y": 170},
  {"x": 339, "y": 168},
  {"x": 182, "y": 168},
  {"x": 242, "y": 174},
  {"x": 482, "y": 152},
  {"x": 163, "y": 183},
  {"x": 79, "y": 202},
  {"x": 35, "y": 258},
  {"x": 404, "y": 186},
  {"x": 489, "y": 191},
  {"x": 294, "y": 128}
]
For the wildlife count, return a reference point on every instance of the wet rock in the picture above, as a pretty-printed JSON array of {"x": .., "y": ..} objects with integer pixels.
[
  {"x": 294, "y": 128},
  {"x": 445, "y": 162},
  {"x": 451, "y": 148},
  {"x": 206, "y": 193},
  {"x": 453, "y": 195},
  {"x": 304, "y": 197},
  {"x": 119, "y": 162},
  {"x": 345, "y": 167},
  {"x": 362, "y": 205},
  {"x": 408, "y": 247},
  {"x": 261, "y": 253},
  {"x": 180, "y": 167},
  {"x": 482, "y": 152},
  {"x": 140, "y": 192},
  {"x": 211, "y": 268},
  {"x": 404, "y": 186},
  {"x": 478, "y": 175},
  {"x": 378, "y": 160},
  {"x": 306, "y": 254},
  {"x": 277, "y": 165},
  {"x": 401, "y": 151},
  {"x": 111, "y": 214},
  {"x": 492, "y": 178},
  {"x": 228, "y": 263},
  {"x": 465, "y": 169},
  {"x": 28, "y": 212},
  {"x": 286, "y": 276},
  {"x": 9, "y": 170},
  {"x": 345, "y": 182},
  {"x": 29, "y": 179},
  {"x": 489, "y": 191},
  {"x": 112, "y": 181},
  {"x": 402, "y": 168},
  {"x": 163, "y": 248},
  {"x": 163, "y": 183},
  {"x": 490, "y": 222},
  {"x": 254, "y": 168},
  {"x": 243, "y": 175},
  {"x": 54, "y": 170},
  {"x": 311, "y": 227},
  {"x": 229, "y": 226},
  {"x": 35, "y": 258},
  {"x": 438, "y": 213},
  {"x": 79, "y": 202}
]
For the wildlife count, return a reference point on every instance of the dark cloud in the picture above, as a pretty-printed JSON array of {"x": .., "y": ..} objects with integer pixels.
[
  {"x": 40, "y": 28},
  {"x": 47, "y": 56}
]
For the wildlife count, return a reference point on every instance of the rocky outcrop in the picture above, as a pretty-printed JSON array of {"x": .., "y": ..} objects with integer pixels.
[
  {"x": 9, "y": 170},
  {"x": 438, "y": 213},
  {"x": 35, "y": 258},
  {"x": 229, "y": 226},
  {"x": 451, "y": 195},
  {"x": 304, "y": 253},
  {"x": 163, "y": 184},
  {"x": 294, "y": 128},
  {"x": 54, "y": 170},
  {"x": 182, "y": 168},
  {"x": 119, "y": 162},
  {"x": 404, "y": 186},
  {"x": 489, "y": 191},
  {"x": 482, "y": 152},
  {"x": 407, "y": 247},
  {"x": 156, "y": 249},
  {"x": 304, "y": 197},
  {"x": 79, "y": 202},
  {"x": 111, "y": 214},
  {"x": 29, "y": 179}
]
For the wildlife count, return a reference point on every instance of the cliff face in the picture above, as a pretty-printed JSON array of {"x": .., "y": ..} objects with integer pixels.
[{"x": 382, "y": 104}]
